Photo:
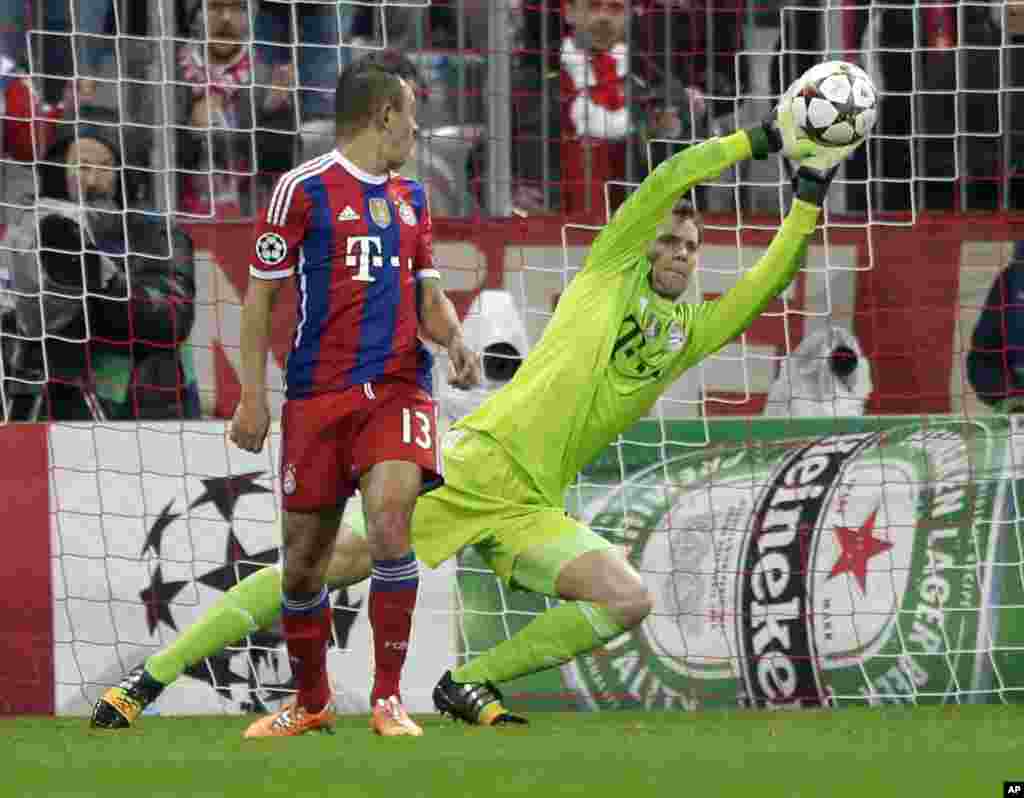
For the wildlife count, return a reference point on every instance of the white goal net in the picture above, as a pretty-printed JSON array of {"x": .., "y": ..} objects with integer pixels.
[{"x": 825, "y": 510}]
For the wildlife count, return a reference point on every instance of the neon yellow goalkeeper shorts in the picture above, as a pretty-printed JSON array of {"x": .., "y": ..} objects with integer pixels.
[{"x": 489, "y": 502}]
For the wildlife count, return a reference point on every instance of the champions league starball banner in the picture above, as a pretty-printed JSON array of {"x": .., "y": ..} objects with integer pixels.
[
  {"x": 793, "y": 564},
  {"x": 151, "y": 524}
]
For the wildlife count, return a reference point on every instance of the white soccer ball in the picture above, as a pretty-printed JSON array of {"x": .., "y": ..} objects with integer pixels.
[{"x": 834, "y": 103}]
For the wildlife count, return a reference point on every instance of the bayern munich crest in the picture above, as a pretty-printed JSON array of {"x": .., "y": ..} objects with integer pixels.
[
  {"x": 380, "y": 211},
  {"x": 271, "y": 249},
  {"x": 676, "y": 337}
]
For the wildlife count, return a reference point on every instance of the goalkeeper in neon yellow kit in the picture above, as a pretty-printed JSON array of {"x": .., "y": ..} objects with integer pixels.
[{"x": 617, "y": 340}]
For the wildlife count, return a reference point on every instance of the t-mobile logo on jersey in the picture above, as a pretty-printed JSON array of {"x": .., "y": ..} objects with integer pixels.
[
  {"x": 364, "y": 252},
  {"x": 397, "y": 645}
]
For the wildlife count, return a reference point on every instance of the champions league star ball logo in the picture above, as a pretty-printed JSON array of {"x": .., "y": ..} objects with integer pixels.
[
  {"x": 252, "y": 674},
  {"x": 271, "y": 249}
]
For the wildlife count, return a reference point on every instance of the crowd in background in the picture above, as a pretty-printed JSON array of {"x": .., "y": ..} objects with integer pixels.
[
  {"x": 599, "y": 90},
  {"x": 201, "y": 104}
]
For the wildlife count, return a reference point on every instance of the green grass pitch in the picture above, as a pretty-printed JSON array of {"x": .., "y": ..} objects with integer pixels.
[{"x": 962, "y": 751}]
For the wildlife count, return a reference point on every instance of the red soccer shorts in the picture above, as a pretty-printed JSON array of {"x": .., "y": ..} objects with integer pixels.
[{"x": 330, "y": 440}]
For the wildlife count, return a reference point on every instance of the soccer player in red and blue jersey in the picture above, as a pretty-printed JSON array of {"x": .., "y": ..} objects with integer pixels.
[{"x": 358, "y": 410}]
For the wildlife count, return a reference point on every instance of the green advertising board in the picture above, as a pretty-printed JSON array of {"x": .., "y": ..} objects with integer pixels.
[{"x": 794, "y": 564}]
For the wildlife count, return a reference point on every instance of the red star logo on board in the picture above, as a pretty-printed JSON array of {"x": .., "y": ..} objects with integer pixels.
[{"x": 858, "y": 546}]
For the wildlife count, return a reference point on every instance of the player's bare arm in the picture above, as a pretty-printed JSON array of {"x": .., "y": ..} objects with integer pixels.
[
  {"x": 440, "y": 323},
  {"x": 251, "y": 420}
]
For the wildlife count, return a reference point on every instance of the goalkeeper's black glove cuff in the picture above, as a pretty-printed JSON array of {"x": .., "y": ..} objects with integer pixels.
[
  {"x": 812, "y": 186},
  {"x": 765, "y": 139}
]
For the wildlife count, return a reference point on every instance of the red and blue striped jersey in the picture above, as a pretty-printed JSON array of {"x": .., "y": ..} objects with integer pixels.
[{"x": 358, "y": 245}]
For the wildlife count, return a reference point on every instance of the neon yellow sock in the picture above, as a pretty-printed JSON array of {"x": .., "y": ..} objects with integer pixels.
[
  {"x": 550, "y": 640},
  {"x": 252, "y": 604}
]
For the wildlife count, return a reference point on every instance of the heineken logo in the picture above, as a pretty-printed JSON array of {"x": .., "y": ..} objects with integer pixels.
[
  {"x": 781, "y": 664},
  {"x": 794, "y": 574}
]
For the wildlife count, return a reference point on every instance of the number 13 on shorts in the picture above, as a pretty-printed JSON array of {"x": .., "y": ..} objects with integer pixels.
[
  {"x": 418, "y": 428},
  {"x": 404, "y": 427},
  {"x": 419, "y": 439}
]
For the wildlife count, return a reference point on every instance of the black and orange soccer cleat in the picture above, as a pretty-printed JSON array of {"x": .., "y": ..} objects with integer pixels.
[
  {"x": 476, "y": 703},
  {"x": 119, "y": 707}
]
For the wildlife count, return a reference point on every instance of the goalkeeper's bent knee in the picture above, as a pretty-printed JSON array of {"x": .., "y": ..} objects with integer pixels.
[{"x": 607, "y": 622}]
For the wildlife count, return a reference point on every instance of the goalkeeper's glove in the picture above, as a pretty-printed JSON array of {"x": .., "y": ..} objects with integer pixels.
[
  {"x": 808, "y": 154},
  {"x": 812, "y": 186},
  {"x": 779, "y": 133}
]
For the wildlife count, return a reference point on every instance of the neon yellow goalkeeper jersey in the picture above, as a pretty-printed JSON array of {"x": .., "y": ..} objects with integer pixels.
[{"x": 613, "y": 345}]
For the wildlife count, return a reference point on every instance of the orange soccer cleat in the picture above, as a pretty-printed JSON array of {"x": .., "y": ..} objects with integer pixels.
[
  {"x": 389, "y": 719},
  {"x": 291, "y": 721}
]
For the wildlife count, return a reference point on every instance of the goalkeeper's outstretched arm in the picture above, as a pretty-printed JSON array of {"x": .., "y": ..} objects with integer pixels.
[
  {"x": 631, "y": 230},
  {"x": 713, "y": 324}
]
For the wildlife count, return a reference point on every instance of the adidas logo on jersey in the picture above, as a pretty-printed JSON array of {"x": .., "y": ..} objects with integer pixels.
[{"x": 348, "y": 215}]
